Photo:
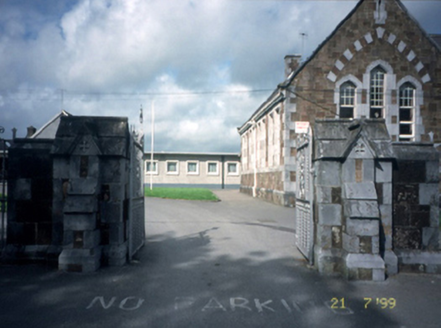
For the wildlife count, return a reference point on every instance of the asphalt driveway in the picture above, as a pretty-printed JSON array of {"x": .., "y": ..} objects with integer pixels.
[{"x": 214, "y": 264}]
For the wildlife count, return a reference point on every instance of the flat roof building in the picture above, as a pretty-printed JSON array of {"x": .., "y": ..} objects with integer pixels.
[{"x": 188, "y": 169}]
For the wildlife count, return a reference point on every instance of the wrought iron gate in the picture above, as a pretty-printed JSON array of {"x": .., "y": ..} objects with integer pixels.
[
  {"x": 136, "y": 195},
  {"x": 304, "y": 197}
]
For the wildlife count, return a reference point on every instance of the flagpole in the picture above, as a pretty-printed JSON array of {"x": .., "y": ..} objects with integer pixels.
[{"x": 152, "y": 144}]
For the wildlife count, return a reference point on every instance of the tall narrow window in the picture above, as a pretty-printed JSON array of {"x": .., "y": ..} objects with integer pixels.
[
  {"x": 407, "y": 112},
  {"x": 84, "y": 166},
  {"x": 347, "y": 100},
  {"x": 377, "y": 93}
]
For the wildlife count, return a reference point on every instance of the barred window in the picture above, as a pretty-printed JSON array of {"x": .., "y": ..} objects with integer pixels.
[
  {"x": 347, "y": 100},
  {"x": 377, "y": 93}
]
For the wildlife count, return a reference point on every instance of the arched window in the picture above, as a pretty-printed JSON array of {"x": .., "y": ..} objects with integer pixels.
[
  {"x": 407, "y": 112},
  {"x": 377, "y": 92},
  {"x": 347, "y": 100}
]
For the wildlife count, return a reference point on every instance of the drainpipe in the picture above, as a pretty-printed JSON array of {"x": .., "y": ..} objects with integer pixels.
[
  {"x": 223, "y": 172},
  {"x": 255, "y": 160}
]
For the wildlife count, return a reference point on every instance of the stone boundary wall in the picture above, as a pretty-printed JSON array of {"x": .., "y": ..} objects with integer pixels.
[
  {"x": 416, "y": 208},
  {"x": 30, "y": 227}
]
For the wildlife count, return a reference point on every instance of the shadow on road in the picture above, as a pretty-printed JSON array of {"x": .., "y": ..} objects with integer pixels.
[{"x": 175, "y": 283}]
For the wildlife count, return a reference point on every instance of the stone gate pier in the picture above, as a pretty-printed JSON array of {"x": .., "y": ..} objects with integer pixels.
[
  {"x": 375, "y": 202},
  {"x": 78, "y": 204}
]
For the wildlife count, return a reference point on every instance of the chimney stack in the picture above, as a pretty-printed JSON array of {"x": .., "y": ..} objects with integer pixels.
[
  {"x": 292, "y": 62},
  {"x": 31, "y": 131},
  {"x": 14, "y": 133}
]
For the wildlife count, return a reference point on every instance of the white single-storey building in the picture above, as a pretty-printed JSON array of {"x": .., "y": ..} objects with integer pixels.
[{"x": 184, "y": 169}]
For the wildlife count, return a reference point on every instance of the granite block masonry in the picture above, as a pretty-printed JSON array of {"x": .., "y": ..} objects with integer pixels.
[
  {"x": 91, "y": 163},
  {"x": 376, "y": 211},
  {"x": 80, "y": 182},
  {"x": 352, "y": 149}
]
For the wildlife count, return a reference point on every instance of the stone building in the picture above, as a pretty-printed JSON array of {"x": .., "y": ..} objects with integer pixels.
[
  {"x": 378, "y": 62},
  {"x": 350, "y": 139}
]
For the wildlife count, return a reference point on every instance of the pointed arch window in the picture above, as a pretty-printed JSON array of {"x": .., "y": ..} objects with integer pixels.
[
  {"x": 347, "y": 100},
  {"x": 407, "y": 112},
  {"x": 377, "y": 79}
]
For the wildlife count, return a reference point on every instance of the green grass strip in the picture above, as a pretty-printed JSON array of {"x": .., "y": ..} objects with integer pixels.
[{"x": 181, "y": 193}]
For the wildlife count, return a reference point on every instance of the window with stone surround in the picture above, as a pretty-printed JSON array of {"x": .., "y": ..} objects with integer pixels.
[
  {"x": 406, "y": 117},
  {"x": 347, "y": 97},
  {"x": 377, "y": 79},
  {"x": 347, "y": 100}
]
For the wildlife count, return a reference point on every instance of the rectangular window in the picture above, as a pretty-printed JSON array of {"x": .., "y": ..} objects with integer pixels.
[
  {"x": 192, "y": 167},
  {"x": 172, "y": 167},
  {"x": 151, "y": 167},
  {"x": 346, "y": 112},
  {"x": 212, "y": 168},
  {"x": 232, "y": 168}
]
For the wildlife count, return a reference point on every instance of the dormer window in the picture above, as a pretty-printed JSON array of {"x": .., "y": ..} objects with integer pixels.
[
  {"x": 347, "y": 100},
  {"x": 377, "y": 93}
]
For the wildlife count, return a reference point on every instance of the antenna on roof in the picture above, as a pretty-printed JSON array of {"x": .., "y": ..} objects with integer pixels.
[{"x": 304, "y": 36}]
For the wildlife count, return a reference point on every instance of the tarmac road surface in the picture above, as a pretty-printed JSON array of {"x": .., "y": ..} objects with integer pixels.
[{"x": 230, "y": 264}]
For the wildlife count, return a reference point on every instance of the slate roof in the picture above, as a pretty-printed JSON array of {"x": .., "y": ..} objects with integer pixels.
[
  {"x": 414, "y": 151},
  {"x": 109, "y": 134},
  {"x": 335, "y": 139},
  {"x": 49, "y": 130}
]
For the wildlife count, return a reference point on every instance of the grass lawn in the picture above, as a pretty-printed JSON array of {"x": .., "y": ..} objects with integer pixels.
[{"x": 181, "y": 193}]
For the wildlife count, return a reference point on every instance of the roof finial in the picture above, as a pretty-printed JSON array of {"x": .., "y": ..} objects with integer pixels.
[{"x": 380, "y": 14}]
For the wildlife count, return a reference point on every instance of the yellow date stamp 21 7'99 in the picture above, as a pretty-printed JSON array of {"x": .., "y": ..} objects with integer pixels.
[{"x": 369, "y": 302}]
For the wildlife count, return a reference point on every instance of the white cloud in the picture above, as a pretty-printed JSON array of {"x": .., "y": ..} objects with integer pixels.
[{"x": 111, "y": 55}]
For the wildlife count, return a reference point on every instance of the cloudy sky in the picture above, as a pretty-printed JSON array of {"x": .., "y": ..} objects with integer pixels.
[{"x": 206, "y": 64}]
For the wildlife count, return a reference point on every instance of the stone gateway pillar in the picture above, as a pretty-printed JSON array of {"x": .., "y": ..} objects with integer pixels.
[
  {"x": 81, "y": 202},
  {"x": 372, "y": 217},
  {"x": 353, "y": 163},
  {"x": 91, "y": 170}
]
